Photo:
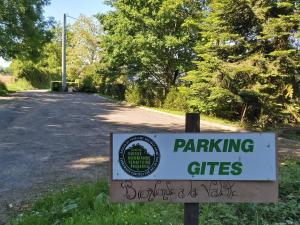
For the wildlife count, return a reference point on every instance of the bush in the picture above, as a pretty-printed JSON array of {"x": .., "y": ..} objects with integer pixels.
[
  {"x": 89, "y": 83},
  {"x": 223, "y": 103},
  {"x": 147, "y": 94},
  {"x": 115, "y": 90},
  {"x": 132, "y": 95},
  {"x": 38, "y": 78},
  {"x": 216, "y": 101},
  {"x": 3, "y": 89},
  {"x": 176, "y": 99}
]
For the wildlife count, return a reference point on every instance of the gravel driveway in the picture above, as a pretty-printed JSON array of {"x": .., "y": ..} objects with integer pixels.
[{"x": 49, "y": 139}]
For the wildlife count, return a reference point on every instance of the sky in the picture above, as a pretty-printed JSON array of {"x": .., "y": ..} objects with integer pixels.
[{"x": 72, "y": 8}]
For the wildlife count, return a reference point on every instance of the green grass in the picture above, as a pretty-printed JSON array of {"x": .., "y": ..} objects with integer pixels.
[
  {"x": 89, "y": 205},
  {"x": 20, "y": 85},
  {"x": 203, "y": 117}
]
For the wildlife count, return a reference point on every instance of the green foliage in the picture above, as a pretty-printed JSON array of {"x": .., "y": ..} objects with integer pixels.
[
  {"x": 33, "y": 75},
  {"x": 133, "y": 95},
  {"x": 89, "y": 204},
  {"x": 144, "y": 93},
  {"x": 3, "y": 89},
  {"x": 89, "y": 83},
  {"x": 45, "y": 68},
  {"x": 151, "y": 40},
  {"x": 20, "y": 84},
  {"x": 176, "y": 100},
  {"x": 249, "y": 60},
  {"x": 23, "y": 29},
  {"x": 113, "y": 88},
  {"x": 223, "y": 103},
  {"x": 83, "y": 51},
  {"x": 29, "y": 71}
]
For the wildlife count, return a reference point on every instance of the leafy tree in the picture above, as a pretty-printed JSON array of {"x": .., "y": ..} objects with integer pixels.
[
  {"x": 151, "y": 40},
  {"x": 44, "y": 68},
  {"x": 249, "y": 61},
  {"x": 83, "y": 51},
  {"x": 23, "y": 29}
]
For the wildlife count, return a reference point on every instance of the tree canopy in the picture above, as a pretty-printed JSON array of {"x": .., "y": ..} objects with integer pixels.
[
  {"x": 152, "y": 40},
  {"x": 249, "y": 61},
  {"x": 23, "y": 28}
]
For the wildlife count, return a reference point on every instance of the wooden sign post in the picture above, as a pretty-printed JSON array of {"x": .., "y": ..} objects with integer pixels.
[
  {"x": 191, "y": 210},
  {"x": 193, "y": 167}
]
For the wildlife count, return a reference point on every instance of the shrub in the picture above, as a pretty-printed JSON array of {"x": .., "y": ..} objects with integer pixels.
[
  {"x": 89, "y": 83},
  {"x": 176, "y": 99},
  {"x": 142, "y": 94},
  {"x": 115, "y": 90},
  {"x": 3, "y": 89},
  {"x": 224, "y": 104},
  {"x": 132, "y": 95},
  {"x": 216, "y": 101},
  {"x": 37, "y": 77}
]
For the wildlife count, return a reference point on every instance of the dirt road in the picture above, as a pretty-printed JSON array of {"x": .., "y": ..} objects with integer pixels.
[{"x": 48, "y": 139}]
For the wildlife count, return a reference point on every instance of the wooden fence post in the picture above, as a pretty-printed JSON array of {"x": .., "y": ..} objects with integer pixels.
[{"x": 191, "y": 210}]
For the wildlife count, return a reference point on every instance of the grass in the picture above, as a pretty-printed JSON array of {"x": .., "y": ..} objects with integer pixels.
[
  {"x": 19, "y": 85},
  {"x": 203, "y": 117},
  {"x": 89, "y": 205}
]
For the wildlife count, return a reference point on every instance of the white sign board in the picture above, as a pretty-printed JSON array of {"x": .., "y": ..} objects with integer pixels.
[{"x": 194, "y": 156}]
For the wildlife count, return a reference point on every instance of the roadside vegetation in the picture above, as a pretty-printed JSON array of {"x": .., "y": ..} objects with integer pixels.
[
  {"x": 89, "y": 204},
  {"x": 3, "y": 89}
]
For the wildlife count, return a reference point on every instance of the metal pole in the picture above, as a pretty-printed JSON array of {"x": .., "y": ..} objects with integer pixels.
[
  {"x": 63, "y": 58},
  {"x": 191, "y": 210}
]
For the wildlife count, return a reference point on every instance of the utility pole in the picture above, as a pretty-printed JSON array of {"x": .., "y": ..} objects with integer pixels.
[{"x": 63, "y": 58}]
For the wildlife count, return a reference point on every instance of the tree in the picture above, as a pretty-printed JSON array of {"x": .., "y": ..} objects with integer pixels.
[
  {"x": 44, "y": 68},
  {"x": 151, "y": 40},
  {"x": 23, "y": 29},
  {"x": 83, "y": 51},
  {"x": 249, "y": 61}
]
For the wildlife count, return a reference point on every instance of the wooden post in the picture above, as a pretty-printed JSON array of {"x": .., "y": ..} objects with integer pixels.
[{"x": 191, "y": 210}]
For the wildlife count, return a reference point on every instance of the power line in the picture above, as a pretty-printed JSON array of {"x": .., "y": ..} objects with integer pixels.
[{"x": 72, "y": 17}]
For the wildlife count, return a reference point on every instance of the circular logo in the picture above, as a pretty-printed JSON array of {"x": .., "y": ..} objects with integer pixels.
[{"x": 139, "y": 156}]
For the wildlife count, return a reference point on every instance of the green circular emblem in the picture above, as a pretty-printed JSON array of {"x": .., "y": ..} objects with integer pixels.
[{"x": 139, "y": 156}]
